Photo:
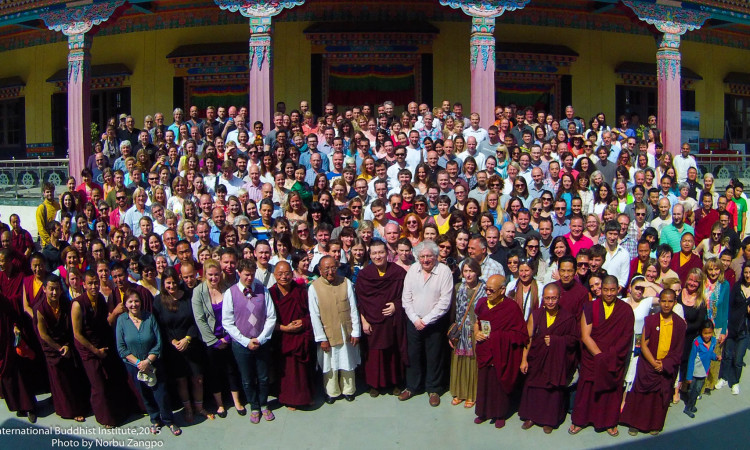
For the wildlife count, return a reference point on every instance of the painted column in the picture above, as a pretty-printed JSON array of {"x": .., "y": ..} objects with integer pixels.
[
  {"x": 482, "y": 50},
  {"x": 260, "y": 64},
  {"x": 76, "y": 23},
  {"x": 482, "y": 55},
  {"x": 671, "y": 22},
  {"x": 261, "y": 72}
]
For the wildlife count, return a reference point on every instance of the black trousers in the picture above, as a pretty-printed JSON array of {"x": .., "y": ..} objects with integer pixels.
[{"x": 427, "y": 357}]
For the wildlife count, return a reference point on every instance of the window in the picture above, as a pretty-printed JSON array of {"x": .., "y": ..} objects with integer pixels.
[
  {"x": 13, "y": 127},
  {"x": 645, "y": 100},
  {"x": 737, "y": 117}
]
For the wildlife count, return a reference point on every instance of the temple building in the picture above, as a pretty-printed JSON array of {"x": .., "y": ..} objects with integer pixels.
[{"x": 65, "y": 66}]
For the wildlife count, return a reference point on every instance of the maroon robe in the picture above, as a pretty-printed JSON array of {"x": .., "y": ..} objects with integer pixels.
[
  {"x": 295, "y": 362},
  {"x": 499, "y": 356},
  {"x": 109, "y": 398},
  {"x": 682, "y": 271},
  {"x": 573, "y": 298},
  {"x": 646, "y": 405},
  {"x": 12, "y": 287},
  {"x": 704, "y": 222},
  {"x": 147, "y": 299},
  {"x": 600, "y": 384},
  {"x": 384, "y": 350},
  {"x": 14, "y": 370},
  {"x": 550, "y": 368},
  {"x": 28, "y": 286},
  {"x": 68, "y": 385}
]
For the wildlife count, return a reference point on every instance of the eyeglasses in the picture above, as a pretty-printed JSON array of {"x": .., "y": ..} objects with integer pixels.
[
  {"x": 640, "y": 214},
  {"x": 545, "y": 199},
  {"x": 536, "y": 209},
  {"x": 639, "y": 288},
  {"x": 562, "y": 208},
  {"x": 532, "y": 246},
  {"x": 583, "y": 264},
  {"x": 345, "y": 217},
  {"x": 445, "y": 246},
  {"x": 120, "y": 198},
  {"x": 243, "y": 225},
  {"x": 588, "y": 146},
  {"x": 400, "y": 154}
]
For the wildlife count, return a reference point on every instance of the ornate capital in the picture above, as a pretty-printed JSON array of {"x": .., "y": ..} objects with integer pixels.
[
  {"x": 260, "y": 41},
  {"x": 257, "y": 8},
  {"x": 482, "y": 41},
  {"x": 485, "y": 8},
  {"x": 668, "y": 19},
  {"x": 79, "y": 57},
  {"x": 80, "y": 19}
]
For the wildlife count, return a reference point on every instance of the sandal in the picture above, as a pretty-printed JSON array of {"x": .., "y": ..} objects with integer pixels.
[
  {"x": 79, "y": 419},
  {"x": 574, "y": 429},
  {"x": 175, "y": 429},
  {"x": 614, "y": 432},
  {"x": 469, "y": 404},
  {"x": 456, "y": 401},
  {"x": 208, "y": 415},
  {"x": 268, "y": 415},
  {"x": 155, "y": 428}
]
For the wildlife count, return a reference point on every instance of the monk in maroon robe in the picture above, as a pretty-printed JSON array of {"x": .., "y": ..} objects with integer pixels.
[
  {"x": 379, "y": 287},
  {"x": 34, "y": 294},
  {"x": 606, "y": 339},
  {"x": 548, "y": 362},
  {"x": 293, "y": 339},
  {"x": 115, "y": 305},
  {"x": 11, "y": 285},
  {"x": 70, "y": 391},
  {"x": 646, "y": 405},
  {"x": 501, "y": 335},
  {"x": 94, "y": 340},
  {"x": 692, "y": 261},
  {"x": 14, "y": 369},
  {"x": 573, "y": 295}
]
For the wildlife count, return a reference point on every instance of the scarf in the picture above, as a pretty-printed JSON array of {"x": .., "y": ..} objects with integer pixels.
[{"x": 532, "y": 294}]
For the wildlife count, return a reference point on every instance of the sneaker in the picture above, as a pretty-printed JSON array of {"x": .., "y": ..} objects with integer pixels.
[
  {"x": 736, "y": 389},
  {"x": 720, "y": 384}
]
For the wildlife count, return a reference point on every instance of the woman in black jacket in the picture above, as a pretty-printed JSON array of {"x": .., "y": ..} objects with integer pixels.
[{"x": 738, "y": 333}]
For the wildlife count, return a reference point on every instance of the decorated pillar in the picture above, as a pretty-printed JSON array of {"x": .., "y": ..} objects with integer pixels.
[
  {"x": 260, "y": 67},
  {"x": 76, "y": 23},
  {"x": 671, "y": 22},
  {"x": 482, "y": 50}
]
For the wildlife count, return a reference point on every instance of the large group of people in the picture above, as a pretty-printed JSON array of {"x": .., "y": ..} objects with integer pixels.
[{"x": 553, "y": 264}]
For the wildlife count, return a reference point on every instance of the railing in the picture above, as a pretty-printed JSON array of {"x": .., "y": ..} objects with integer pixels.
[
  {"x": 23, "y": 178},
  {"x": 725, "y": 165}
]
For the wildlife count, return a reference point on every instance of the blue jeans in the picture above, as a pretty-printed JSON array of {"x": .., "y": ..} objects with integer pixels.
[
  {"x": 253, "y": 367},
  {"x": 695, "y": 390},
  {"x": 733, "y": 358},
  {"x": 156, "y": 398}
]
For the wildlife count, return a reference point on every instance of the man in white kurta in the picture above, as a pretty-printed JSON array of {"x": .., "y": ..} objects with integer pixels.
[{"x": 336, "y": 326}]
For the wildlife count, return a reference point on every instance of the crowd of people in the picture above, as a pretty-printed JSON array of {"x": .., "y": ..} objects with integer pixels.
[{"x": 553, "y": 264}]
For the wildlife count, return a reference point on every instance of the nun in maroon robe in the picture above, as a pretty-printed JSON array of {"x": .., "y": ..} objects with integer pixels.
[
  {"x": 110, "y": 400},
  {"x": 14, "y": 369},
  {"x": 550, "y": 368},
  {"x": 294, "y": 364},
  {"x": 68, "y": 385},
  {"x": 600, "y": 383},
  {"x": 646, "y": 405},
  {"x": 384, "y": 348},
  {"x": 499, "y": 355}
]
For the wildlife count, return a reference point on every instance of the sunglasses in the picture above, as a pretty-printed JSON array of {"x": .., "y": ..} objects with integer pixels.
[
  {"x": 445, "y": 247},
  {"x": 346, "y": 217},
  {"x": 536, "y": 209},
  {"x": 400, "y": 154}
]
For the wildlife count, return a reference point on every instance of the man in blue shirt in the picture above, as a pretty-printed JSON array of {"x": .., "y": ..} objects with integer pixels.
[{"x": 312, "y": 147}]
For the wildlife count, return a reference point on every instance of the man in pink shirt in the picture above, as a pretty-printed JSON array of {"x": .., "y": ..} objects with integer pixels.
[{"x": 576, "y": 239}]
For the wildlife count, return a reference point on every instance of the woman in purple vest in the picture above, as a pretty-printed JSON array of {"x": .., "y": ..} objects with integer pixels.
[{"x": 248, "y": 315}]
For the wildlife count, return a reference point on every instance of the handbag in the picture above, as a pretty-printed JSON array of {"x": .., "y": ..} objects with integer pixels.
[
  {"x": 454, "y": 331},
  {"x": 23, "y": 350}
]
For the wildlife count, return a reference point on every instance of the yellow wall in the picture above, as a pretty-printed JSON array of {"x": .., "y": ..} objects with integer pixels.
[{"x": 593, "y": 74}]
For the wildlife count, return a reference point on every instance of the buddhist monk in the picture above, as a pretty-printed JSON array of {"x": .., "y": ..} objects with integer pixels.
[
  {"x": 548, "y": 362},
  {"x": 501, "y": 335},
  {"x": 293, "y": 339},
  {"x": 70, "y": 391},
  {"x": 662, "y": 343},
  {"x": 606, "y": 338},
  {"x": 94, "y": 341},
  {"x": 573, "y": 295},
  {"x": 378, "y": 289},
  {"x": 14, "y": 369}
]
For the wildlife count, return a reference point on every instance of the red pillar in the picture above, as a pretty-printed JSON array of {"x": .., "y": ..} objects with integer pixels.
[{"x": 79, "y": 102}]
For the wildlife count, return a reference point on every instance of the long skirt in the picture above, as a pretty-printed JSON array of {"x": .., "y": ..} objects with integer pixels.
[
  {"x": 69, "y": 388},
  {"x": 492, "y": 401},
  {"x": 463, "y": 383},
  {"x": 383, "y": 368},
  {"x": 645, "y": 411},
  {"x": 599, "y": 409},
  {"x": 294, "y": 382},
  {"x": 544, "y": 407}
]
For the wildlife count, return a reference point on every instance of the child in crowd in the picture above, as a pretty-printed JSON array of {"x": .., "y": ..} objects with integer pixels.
[{"x": 701, "y": 355}]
